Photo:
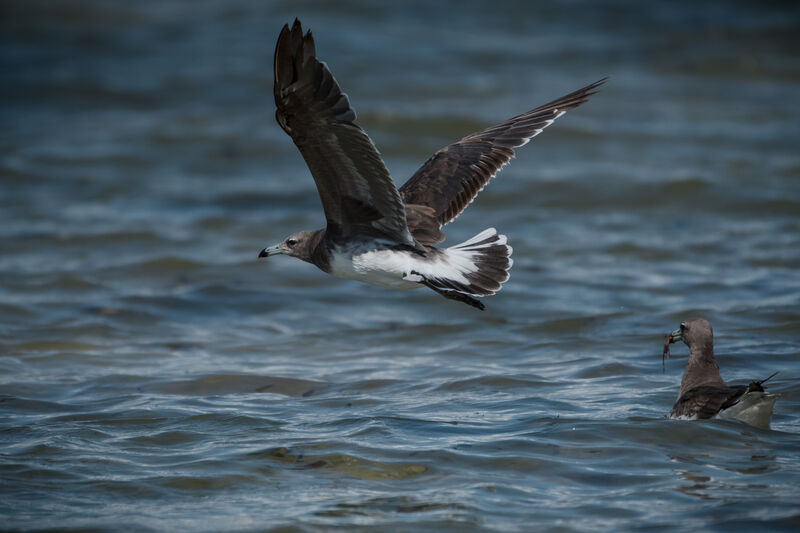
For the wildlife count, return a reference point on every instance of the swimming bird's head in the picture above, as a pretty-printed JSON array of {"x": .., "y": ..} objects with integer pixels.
[
  {"x": 299, "y": 245},
  {"x": 694, "y": 332}
]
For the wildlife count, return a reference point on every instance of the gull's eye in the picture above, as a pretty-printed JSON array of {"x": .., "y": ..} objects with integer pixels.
[
  {"x": 291, "y": 242},
  {"x": 683, "y": 326}
]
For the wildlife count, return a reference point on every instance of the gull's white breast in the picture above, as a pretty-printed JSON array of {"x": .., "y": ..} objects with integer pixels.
[
  {"x": 385, "y": 268},
  {"x": 400, "y": 269}
]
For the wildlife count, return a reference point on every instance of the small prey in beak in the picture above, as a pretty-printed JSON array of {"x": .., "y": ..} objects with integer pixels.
[{"x": 675, "y": 336}]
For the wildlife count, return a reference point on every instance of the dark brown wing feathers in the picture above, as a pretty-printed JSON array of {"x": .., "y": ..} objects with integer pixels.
[
  {"x": 357, "y": 194},
  {"x": 706, "y": 401},
  {"x": 451, "y": 178}
]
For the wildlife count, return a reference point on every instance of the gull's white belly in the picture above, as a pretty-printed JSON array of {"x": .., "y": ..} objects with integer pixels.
[{"x": 385, "y": 268}]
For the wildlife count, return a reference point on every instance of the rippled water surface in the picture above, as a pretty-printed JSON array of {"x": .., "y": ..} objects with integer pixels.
[{"x": 154, "y": 375}]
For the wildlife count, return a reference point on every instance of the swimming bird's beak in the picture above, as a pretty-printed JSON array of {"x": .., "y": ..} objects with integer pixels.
[
  {"x": 272, "y": 250},
  {"x": 675, "y": 336}
]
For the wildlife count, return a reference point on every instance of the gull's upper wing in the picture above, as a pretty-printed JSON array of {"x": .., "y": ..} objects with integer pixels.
[
  {"x": 357, "y": 193},
  {"x": 451, "y": 178}
]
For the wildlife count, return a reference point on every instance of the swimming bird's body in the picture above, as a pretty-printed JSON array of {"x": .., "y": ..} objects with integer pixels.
[
  {"x": 379, "y": 234},
  {"x": 704, "y": 394}
]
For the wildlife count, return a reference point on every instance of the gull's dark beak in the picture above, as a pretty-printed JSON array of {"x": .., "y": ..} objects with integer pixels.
[
  {"x": 675, "y": 336},
  {"x": 272, "y": 250}
]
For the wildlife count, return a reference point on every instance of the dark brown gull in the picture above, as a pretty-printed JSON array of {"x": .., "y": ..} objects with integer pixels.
[
  {"x": 703, "y": 394},
  {"x": 379, "y": 234}
]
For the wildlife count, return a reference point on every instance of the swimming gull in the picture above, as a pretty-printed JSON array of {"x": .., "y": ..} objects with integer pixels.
[
  {"x": 703, "y": 394},
  {"x": 379, "y": 234}
]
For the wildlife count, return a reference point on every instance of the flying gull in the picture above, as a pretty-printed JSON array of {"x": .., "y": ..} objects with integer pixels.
[
  {"x": 703, "y": 394},
  {"x": 379, "y": 234}
]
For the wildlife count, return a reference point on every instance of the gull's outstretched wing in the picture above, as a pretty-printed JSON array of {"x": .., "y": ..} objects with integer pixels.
[
  {"x": 451, "y": 178},
  {"x": 357, "y": 193}
]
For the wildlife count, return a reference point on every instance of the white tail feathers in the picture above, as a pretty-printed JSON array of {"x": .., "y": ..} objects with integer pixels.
[{"x": 478, "y": 266}]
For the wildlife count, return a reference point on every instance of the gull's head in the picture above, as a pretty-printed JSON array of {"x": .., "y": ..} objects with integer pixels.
[
  {"x": 693, "y": 332},
  {"x": 298, "y": 245}
]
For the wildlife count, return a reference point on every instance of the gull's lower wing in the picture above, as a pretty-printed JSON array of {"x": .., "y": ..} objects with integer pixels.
[{"x": 706, "y": 401}]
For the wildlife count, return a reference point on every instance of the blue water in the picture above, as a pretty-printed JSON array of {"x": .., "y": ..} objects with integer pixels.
[{"x": 154, "y": 375}]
